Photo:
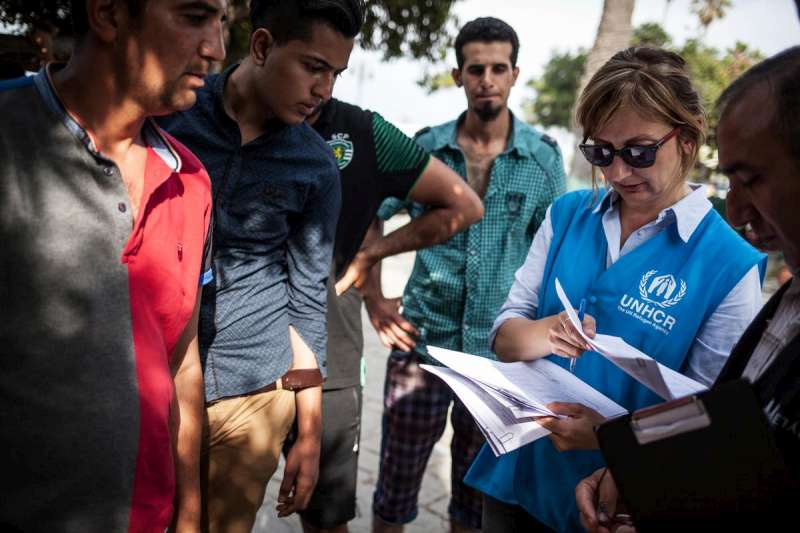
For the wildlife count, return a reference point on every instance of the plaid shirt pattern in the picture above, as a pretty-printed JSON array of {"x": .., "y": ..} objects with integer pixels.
[{"x": 457, "y": 287}]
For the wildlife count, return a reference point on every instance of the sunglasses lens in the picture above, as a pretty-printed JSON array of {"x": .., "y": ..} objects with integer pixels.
[
  {"x": 597, "y": 154},
  {"x": 639, "y": 156}
]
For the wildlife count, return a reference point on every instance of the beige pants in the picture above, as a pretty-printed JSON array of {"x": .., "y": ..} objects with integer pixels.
[{"x": 241, "y": 449}]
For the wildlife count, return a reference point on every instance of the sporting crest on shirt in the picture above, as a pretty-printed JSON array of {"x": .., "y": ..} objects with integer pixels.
[
  {"x": 342, "y": 148},
  {"x": 661, "y": 290}
]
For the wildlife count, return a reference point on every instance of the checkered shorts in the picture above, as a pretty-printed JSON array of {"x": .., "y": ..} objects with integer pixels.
[{"x": 414, "y": 418}]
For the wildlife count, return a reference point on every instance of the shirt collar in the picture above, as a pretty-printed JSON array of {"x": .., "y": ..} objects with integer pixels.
[
  {"x": 325, "y": 118},
  {"x": 276, "y": 127},
  {"x": 151, "y": 133},
  {"x": 687, "y": 212},
  {"x": 445, "y": 135}
]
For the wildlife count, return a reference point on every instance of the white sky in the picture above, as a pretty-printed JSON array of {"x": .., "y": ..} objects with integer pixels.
[{"x": 543, "y": 26}]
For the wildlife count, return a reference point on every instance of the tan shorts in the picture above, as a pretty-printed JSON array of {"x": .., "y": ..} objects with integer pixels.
[{"x": 241, "y": 448}]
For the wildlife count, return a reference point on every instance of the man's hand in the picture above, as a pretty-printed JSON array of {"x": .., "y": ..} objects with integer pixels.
[
  {"x": 302, "y": 462},
  {"x": 596, "y": 497},
  {"x": 392, "y": 328},
  {"x": 356, "y": 273},
  {"x": 299, "y": 476},
  {"x": 576, "y": 432}
]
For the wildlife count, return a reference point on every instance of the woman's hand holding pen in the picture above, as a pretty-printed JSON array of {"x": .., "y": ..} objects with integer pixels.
[{"x": 565, "y": 340}]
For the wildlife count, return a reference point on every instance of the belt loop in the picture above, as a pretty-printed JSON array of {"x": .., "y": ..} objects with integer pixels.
[{"x": 279, "y": 384}]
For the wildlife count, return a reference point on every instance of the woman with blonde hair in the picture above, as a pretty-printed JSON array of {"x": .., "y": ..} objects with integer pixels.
[{"x": 654, "y": 264}]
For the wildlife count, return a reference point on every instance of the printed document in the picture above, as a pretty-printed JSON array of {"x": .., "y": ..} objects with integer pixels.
[
  {"x": 660, "y": 379},
  {"x": 503, "y": 396}
]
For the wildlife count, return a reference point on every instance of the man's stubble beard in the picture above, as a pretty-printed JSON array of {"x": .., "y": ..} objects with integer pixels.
[
  {"x": 488, "y": 113},
  {"x": 176, "y": 98}
]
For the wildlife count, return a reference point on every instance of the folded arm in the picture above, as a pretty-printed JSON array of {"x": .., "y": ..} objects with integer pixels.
[{"x": 451, "y": 206}]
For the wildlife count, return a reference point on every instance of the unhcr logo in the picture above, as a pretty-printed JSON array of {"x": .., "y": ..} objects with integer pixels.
[
  {"x": 660, "y": 290},
  {"x": 655, "y": 294}
]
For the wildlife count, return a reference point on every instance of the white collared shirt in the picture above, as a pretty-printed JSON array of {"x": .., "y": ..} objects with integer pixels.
[{"x": 720, "y": 332}]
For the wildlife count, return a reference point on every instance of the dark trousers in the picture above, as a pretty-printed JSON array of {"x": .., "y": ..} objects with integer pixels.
[{"x": 501, "y": 517}]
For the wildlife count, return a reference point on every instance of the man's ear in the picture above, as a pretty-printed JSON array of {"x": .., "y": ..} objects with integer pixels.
[
  {"x": 456, "y": 73},
  {"x": 104, "y": 18},
  {"x": 515, "y": 74},
  {"x": 261, "y": 44}
]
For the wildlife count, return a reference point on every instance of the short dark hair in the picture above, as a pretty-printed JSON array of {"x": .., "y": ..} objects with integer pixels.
[
  {"x": 290, "y": 20},
  {"x": 781, "y": 74},
  {"x": 80, "y": 20},
  {"x": 486, "y": 30}
]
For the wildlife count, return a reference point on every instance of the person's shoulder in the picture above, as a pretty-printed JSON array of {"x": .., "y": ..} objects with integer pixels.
[
  {"x": 719, "y": 231},
  {"x": 317, "y": 152},
  {"x": 196, "y": 116},
  {"x": 582, "y": 198},
  {"x": 349, "y": 110},
  {"x": 537, "y": 142},
  {"x": 25, "y": 115},
  {"x": 16, "y": 83},
  {"x": 341, "y": 117},
  {"x": 433, "y": 137},
  {"x": 715, "y": 237},
  {"x": 17, "y": 96}
]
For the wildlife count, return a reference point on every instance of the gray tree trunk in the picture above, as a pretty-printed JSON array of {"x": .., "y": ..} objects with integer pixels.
[{"x": 613, "y": 35}]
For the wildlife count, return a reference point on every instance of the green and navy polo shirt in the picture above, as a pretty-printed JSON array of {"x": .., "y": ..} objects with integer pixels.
[{"x": 376, "y": 161}]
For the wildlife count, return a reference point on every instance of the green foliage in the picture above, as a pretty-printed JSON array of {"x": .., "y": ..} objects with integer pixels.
[
  {"x": 24, "y": 15},
  {"x": 419, "y": 29},
  {"x": 433, "y": 81},
  {"x": 556, "y": 89},
  {"x": 708, "y": 11},
  {"x": 651, "y": 34},
  {"x": 711, "y": 71}
]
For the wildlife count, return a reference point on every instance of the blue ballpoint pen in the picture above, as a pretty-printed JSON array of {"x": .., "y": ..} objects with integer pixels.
[{"x": 581, "y": 309}]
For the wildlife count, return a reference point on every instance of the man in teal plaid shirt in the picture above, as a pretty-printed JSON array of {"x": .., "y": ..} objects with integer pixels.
[{"x": 457, "y": 288}]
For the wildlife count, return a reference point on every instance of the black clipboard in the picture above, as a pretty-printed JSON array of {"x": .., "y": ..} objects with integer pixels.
[{"x": 700, "y": 463}]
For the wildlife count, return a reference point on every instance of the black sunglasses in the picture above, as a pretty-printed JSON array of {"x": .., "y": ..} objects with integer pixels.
[{"x": 635, "y": 155}]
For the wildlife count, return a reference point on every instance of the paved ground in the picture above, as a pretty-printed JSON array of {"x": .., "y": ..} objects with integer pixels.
[{"x": 435, "y": 488}]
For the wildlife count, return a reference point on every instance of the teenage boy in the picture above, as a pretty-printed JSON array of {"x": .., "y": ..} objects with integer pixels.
[
  {"x": 104, "y": 227},
  {"x": 458, "y": 286},
  {"x": 276, "y": 201}
]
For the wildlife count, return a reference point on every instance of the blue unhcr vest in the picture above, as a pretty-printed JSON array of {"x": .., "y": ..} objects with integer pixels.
[{"x": 657, "y": 297}]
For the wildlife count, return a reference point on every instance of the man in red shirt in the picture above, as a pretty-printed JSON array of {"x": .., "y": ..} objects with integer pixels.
[{"x": 104, "y": 227}]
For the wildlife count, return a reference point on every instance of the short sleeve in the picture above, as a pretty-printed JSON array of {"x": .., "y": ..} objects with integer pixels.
[
  {"x": 207, "y": 268},
  {"x": 399, "y": 159}
]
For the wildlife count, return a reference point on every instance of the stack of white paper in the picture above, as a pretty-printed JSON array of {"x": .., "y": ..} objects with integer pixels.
[
  {"x": 503, "y": 396},
  {"x": 660, "y": 379}
]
